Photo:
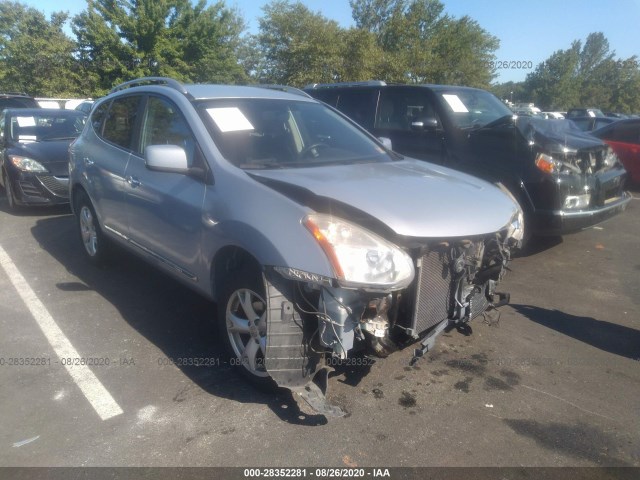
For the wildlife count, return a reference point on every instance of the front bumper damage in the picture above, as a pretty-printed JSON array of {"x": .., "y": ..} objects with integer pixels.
[{"x": 312, "y": 318}]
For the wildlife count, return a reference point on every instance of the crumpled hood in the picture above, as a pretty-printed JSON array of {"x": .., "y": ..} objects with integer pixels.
[
  {"x": 413, "y": 198},
  {"x": 556, "y": 134}
]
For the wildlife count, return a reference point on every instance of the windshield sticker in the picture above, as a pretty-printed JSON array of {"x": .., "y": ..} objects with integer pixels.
[
  {"x": 26, "y": 121},
  {"x": 230, "y": 119},
  {"x": 455, "y": 103}
]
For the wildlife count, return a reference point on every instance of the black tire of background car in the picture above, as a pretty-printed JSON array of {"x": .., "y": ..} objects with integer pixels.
[
  {"x": 238, "y": 280},
  {"x": 101, "y": 255}
]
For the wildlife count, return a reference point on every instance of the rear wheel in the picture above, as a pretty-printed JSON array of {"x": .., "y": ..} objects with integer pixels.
[
  {"x": 242, "y": 320},
  {"x": 94, "y": 243}
]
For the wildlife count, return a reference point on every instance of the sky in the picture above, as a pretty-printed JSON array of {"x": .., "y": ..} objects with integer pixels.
[{"x": 529, "y": 31}]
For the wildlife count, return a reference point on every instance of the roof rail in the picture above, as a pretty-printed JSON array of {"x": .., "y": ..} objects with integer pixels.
[
  {"x": 367, "y": 83},
  {"x": 169, "y": 82},
  {"x": 283, "y": 88}
]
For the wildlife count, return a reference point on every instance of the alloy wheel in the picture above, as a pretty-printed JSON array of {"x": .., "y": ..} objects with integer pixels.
[{"x": 246, "y": 315}]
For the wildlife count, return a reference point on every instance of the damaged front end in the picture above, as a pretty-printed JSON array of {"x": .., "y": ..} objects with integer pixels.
[
  {"x": 580, "y": 180},
  {"x": 383, "y": 297}
]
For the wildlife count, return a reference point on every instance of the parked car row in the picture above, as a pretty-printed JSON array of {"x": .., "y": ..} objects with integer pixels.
[
  {"x": 563, "y": 179},
  {"x": 358, "y": 224}
]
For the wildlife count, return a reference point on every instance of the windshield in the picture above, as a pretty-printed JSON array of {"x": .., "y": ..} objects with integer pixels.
[
  {"x": 472, "y": 108},
  {"x": 46, "y": 126},
  {"x": 265, "y": 133}
]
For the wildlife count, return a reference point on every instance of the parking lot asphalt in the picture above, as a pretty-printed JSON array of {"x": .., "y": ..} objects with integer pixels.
[{"x": 554, "y": 381}]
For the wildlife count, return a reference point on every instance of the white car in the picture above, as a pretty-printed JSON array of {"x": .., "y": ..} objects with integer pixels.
[{"x": 552, "y": 115}]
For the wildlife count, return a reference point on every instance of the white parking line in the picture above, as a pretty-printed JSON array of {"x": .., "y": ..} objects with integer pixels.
[{"x": 98, "y": 396}]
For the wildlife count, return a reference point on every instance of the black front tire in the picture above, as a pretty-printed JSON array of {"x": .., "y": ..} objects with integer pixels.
[
  {"x": 11, "y": 197},
  {"x": 242, "y": 322}
]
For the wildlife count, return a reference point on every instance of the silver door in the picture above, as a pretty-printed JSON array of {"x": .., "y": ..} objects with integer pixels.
[{"x": 165, "y": 209}]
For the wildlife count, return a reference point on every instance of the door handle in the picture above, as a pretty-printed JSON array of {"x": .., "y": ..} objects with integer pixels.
[
  {"x": 133, "y": 182},
  {"x": 87, "y": 161}
]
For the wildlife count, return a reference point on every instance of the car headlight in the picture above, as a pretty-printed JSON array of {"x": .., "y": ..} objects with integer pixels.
[
  {"x": 548, "y": 164},
  {"x": 26, "y": 164},
  {"x": 515, "y": 227},
  {"x": 360, "y": 258},
  {"x": 610, "y": 158}
]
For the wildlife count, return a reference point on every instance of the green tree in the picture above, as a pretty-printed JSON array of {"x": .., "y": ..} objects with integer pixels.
[
  {"x": 462, "y": 54},
  {"x": 554, "y": 84},
  {"x": 423, "y": 44},
  {"x": 374, "y": 15},
  {"x": 36, "y": 56},
  {"x": 626, "y": 93},
  {"x": 361, "y": 57},
  {"x": 586, "y": 75},
  {"x": 512, "y": 91},
  {"x": 123, "y": 39},
  {"x": 298, "y": 45}
]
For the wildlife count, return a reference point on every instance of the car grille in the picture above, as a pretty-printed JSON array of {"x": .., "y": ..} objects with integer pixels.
[
  {"x": 591, "y": 160},
  {"x": 57, "y": 185},
  {"x": 433, "y": 291}
]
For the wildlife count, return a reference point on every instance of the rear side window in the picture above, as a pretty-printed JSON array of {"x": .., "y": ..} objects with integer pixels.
[
  {"x": 359, "y": 105},
  {"x": 98, "y": 116},
  {"x": 120, "y": 121},
  {"x": 330, "y": 97}
]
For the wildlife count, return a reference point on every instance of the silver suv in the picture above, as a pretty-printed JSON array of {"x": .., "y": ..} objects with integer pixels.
[{"x": 314, "y": 240}]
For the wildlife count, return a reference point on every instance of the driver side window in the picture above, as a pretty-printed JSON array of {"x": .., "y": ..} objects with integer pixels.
[
  {"x": 398, "y": 109},
  {"x": 164, "y": 125}
]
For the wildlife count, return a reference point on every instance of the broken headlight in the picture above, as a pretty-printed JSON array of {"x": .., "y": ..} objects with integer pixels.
[
  {"x": 548, "y": 164},
  {"x": 515, "y": 228},
  {"x": 360, "y": 258},
  {"x": 610, "y": 158}
]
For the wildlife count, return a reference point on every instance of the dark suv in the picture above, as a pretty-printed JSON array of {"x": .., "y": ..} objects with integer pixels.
[{"x": 565, "y": 180}]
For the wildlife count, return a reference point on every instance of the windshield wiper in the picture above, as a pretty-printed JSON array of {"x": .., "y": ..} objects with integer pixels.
[
  {"x": 57, "y": 139},
  {"x": 265, "y": 165}
]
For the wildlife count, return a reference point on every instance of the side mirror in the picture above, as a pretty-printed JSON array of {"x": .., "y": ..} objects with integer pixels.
[
  {"x": 386, "y": 142},
  {"x": 166, "y": 158},
  {"x": 428, "y": 124}
]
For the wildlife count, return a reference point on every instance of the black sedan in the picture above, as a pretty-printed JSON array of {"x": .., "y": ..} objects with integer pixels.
[{"x": 34, "y": 146}]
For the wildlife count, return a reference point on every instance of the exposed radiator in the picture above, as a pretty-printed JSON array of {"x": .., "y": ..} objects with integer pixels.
[{"x": 433, "y": 291}]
